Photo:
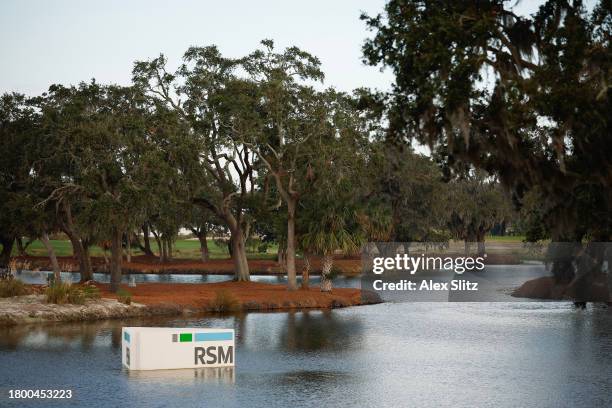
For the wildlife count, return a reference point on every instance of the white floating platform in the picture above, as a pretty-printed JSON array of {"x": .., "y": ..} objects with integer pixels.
[{"x": 161, "y": 348}]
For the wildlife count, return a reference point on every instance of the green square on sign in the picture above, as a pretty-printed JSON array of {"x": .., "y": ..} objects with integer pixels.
[{"x": 185, "y": 337}]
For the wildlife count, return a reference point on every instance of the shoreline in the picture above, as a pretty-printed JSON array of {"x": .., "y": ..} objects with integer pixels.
[
  {"x": 176, "y": 299},
  {"x": 142, "y": 264}
]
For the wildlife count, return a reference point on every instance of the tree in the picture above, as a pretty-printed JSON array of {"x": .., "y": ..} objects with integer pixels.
[
  {"x": 329, "y": 225},
  {"x": 17, "y": 129},
  {"x": 476, "y": 204},
  {"x": 207, "y": 97},
  {"x": 525, "y": 98},
  {"x": 97, "y": 161},
  {"x": 404, "y": 190},
  {"x": 202, "y": 223},
  {"x": 295, "y": 123}
]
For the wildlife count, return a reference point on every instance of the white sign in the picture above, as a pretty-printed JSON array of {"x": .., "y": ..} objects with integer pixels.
[{"x": 157, "y": 348}]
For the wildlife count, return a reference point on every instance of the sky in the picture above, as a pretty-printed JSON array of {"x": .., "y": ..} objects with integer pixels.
[{"x": 67, "y": 41}]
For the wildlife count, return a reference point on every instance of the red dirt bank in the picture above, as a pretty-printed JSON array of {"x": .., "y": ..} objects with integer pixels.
[{"x": 247, "y": 295}]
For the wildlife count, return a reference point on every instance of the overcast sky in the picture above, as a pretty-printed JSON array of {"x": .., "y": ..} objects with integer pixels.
[{"x": 68, "y": 41}]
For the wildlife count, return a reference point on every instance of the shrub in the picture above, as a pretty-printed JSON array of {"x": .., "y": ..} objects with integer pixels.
[
  {"x": 225, "y": 302},
  {"x": 57, "y": 293},
  {"x": 12, "y": 287},
  {"x": 91, "y": 292},
  {"x": 124, "y": 296},
  {"x": 63, "y": 292}
]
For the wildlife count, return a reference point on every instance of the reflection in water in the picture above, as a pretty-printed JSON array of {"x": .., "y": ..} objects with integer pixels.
[
  {"x": 316, "y": 330},
  {"x": 220, "y": 375},
  {"x": 38, "y": 277}
]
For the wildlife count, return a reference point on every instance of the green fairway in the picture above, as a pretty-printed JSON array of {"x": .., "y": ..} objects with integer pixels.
[
  {"x": 505, "y": 238},
  {"x": 183, "y": 249}
]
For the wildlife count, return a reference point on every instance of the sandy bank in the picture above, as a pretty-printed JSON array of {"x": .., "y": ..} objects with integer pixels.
[{"x": 155, "y": 299}]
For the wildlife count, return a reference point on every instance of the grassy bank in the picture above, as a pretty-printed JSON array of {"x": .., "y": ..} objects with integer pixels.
[
  {"x": 183, "y": 249},
  {"x": 190, "y": 248}
]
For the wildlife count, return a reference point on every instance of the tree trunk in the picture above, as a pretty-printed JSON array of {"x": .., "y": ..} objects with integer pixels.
[
  {"x": 290, "y": 253},
  {"x": 116, "y": 259},
  {"x": 203, "y": 246},
  {"x": 230, "y": 247},
  {"x": 147, "y": 241},
  {"x": 7, "y": 249},
  {"x": 326, "y": 283},
  {"x": 241, "y": 265},
  {"x": 79, "y": 252},
  {"x": 21, "y": 249},
  {"x": 88, "y": 275},
  {"x": 306, "y": 272},
  {"x": 159, "y": 246},
  {"x": 481, "y": 244},
  {"x": 169, "y": 246},
  {"x": 164, "y": 250},
  {"x": 128, "y": 248},
  {"x": 78, "y": 249},
  {"x": 51, "y": 252},
  {"x": 466, "y": 247}
]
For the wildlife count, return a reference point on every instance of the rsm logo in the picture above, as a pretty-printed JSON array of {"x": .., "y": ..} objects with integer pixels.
[
  {"x": 165, "y": 348},
  {"x": 214, "y": 355}
]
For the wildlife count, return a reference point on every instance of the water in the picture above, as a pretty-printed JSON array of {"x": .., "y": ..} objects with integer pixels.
[
  {"x": 40, "y": 277},
  {"x": 389, "y": 355}
]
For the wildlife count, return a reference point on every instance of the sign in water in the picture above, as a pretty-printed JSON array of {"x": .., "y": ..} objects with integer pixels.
[{"x": 159, "y": 348}]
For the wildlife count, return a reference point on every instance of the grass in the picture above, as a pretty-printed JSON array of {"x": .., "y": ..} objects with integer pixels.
[
  {"x": 505, "y": 238},
  {"x": 225, "y": 301},
  {"x": 65, "y": 293},
  {"x": 183, "y": 249},
  {"x": 124, "y": 296},
  {"x": 190, "y": 248},
  {"x": 11, "y": 287}
]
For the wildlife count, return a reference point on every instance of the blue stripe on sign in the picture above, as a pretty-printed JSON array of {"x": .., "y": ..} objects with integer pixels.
[
  {"x": 213, "y": 336},
  {"x": 126, "y": 336}
]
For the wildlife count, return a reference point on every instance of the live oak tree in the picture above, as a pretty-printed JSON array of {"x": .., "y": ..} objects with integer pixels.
[
  {"x": 208, "y": 99},
  {"x": 404, "y": 191},
  {"x": 17, "y": 130},
  {"x": 526, "y": 98},
  {"x": 203, "y": 224},
  {"x": 293, "y": 126},
  {"x": 476, "y": 204},
  {"x": 98, "y": 135}
]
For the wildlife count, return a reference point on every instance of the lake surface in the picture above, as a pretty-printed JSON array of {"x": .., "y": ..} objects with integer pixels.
[
  {"x": 40, "y": 277},
  {"x": 425, "y": 354}
]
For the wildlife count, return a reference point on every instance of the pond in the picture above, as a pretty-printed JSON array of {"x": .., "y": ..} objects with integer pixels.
[
  {"x": 40, "y": 277},
  {"x": 514, "y": 354}
]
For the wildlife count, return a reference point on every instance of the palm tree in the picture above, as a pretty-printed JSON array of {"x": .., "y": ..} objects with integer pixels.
[{"x": 336, "y": 229}]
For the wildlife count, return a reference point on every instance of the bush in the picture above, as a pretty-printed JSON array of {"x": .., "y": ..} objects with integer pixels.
[
  {"x": 63, "y": 292},
  {"x": 57, "y": 292},
  {"x": 91, "y": 292},
  {"x": 12, "y": 287},
  {"x": 124, "y": 296},
  {"x": 225, "y": 302}
]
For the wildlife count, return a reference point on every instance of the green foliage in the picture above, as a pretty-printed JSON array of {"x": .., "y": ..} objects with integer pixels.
[
  {"x": 476, "y": 204},
  {"x": 224, "y": 301},
  {"x": 91, "y": 292},
  {"x": 124, "y": 296},
  {"x": 526, "y": 98},
  {"x": 12, "y": 287}
]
